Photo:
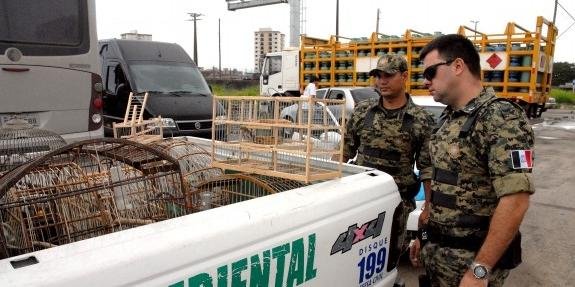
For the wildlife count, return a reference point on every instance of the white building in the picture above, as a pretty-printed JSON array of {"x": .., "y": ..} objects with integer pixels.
[
  {"x": 133, "y": 35},
  {"x": 266, "y": 41}
]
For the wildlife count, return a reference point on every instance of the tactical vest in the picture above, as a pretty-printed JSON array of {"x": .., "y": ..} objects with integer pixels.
[
  {"x": 397, "y": 156},
  {"x": 469, "y": 228}
]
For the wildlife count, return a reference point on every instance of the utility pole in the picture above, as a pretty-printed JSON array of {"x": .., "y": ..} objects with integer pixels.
[
  {"x": 195, "y": 18},
  {"x": 475, "y": 28},
  {"x": 555, "y": 11},
  {"x": 377, "y": 22},
  {"x": 219, "y": 49},
  {"x": 337, "y": 20}
]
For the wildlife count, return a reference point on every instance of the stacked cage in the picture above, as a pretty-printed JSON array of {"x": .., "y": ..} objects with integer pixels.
[
  {"x": 84, "y": 190},
  {"x": 287, "y": 137}
]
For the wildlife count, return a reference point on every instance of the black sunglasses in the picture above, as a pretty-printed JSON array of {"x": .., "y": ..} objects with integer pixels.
[{"x": 430, "y": 72}]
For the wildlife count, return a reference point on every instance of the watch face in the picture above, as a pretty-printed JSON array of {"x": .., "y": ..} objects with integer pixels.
[{"x": 480, "y": 272}]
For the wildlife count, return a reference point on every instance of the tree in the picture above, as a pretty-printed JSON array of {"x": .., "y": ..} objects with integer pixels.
[{"x": 563, "y": 72}]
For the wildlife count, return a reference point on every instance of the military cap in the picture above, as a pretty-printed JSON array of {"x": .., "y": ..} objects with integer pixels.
[{"x": 390, "y": 64}]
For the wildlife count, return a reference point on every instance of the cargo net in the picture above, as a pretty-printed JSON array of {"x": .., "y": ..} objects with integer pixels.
[
  {"x": 84, "y": 190},
  {"x": 233, "y": 188},
  {"x": 20, "y": 142},
  {"x": 293, "y": 138}
]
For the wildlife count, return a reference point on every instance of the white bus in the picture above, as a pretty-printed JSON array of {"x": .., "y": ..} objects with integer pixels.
[{"x": 49, "y": 66}]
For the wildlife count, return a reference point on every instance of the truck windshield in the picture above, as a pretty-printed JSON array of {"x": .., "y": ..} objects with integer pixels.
[{"x": 168, "y": 77}]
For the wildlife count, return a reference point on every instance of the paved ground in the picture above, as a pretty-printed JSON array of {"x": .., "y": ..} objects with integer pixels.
[{"x": 549, "y": 226}]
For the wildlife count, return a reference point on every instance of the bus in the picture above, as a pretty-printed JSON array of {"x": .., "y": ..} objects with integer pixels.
[{"x": 49, "y": 67}]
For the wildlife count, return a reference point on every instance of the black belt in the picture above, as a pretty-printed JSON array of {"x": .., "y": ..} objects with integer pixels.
[
  {"x": 382, "y": 153},
  {"x": 471, "y": 242},
  {"x": 445, "y": 176}
]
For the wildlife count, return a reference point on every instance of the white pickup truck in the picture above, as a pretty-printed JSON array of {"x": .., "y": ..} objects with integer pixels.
[{"x": 332, "y": 233}]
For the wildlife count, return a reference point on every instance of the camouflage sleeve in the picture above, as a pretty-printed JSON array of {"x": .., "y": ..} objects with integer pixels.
[
  {"x": 423, "y": 157},
  {"x": 351, "y": 139},
  {"x": 505, "y": 129}
]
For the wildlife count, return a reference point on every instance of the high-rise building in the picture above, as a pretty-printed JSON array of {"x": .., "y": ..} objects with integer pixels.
[
  {"x": 134, "y": 35},
  {"x": 266, "y": 41}
]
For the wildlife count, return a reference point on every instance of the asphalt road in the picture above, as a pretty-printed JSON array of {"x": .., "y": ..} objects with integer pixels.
[{"x": 549, "y": 226}]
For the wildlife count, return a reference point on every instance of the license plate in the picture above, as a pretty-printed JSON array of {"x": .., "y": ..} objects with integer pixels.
[{"x": 31, "y": 119}]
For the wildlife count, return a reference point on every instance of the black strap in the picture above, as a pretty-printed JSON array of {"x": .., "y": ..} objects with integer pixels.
[
  {"x": 392, "y": 170},
  {"x": 407, "y": 123},
  {"x": 368, "y": 120},
  {"x": 381, "y": 153},
  {"x": 445, "y": 176}
]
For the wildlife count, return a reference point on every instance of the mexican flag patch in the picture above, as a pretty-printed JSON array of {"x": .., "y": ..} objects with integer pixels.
[{"x": 521, "y": 159}]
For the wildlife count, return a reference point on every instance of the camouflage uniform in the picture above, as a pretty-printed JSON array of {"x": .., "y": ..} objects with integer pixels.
[
  {"x": 392, "y": 141},
  {"x": 472, "y": 169}
]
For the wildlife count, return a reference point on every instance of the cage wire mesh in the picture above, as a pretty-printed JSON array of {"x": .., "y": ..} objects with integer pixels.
[
  {"x": 287, "y": 137},
  {"x": 20, "y": 142},
  {"x": 195, "y": 162},
  {"x": 84, "y": 190},
  {"x": 233, "y": 188}
]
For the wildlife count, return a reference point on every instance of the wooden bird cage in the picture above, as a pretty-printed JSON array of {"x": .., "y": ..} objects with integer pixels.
[
  {"x": 84, "y": 190},
  {"x": 286, "y": 137},
  {"x": 134, "y": 127}
]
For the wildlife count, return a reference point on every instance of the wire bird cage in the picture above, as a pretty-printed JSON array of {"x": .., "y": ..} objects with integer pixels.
[
  {"x": 195, "y": 162},
  {"x": 288, "y": 137},
  {"x": 20, "y": 142},
  {"x": 233, "y": 188},
  {"x": 84, "y": 190}
]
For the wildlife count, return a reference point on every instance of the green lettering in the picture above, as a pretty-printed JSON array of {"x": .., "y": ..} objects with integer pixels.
[
  {"x": 237, "y": 268},
  {"x": 279, "y": 252},
  {"x": 310, "y": 270},
  {"x": 223, "y": 276},
  {"x": 179, "y": 284},
  {"x": 200, "y": 280},
  {"x": 260, "y": 276},
  {"x": 296, "y": 264}
]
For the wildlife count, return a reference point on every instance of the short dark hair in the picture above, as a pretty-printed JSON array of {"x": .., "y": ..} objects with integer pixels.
[
  {"x": 454, "y": 46},
  {"x": 313, "y": 78}
]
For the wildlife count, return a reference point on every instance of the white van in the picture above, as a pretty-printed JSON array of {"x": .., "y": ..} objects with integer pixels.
[{"x": 49, "y": 66}]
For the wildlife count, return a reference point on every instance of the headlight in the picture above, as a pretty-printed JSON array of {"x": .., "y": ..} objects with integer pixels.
[{"x": 96, "y": 118}]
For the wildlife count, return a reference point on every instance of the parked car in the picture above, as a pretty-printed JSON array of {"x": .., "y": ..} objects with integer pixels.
[
  {"x": 352, "y": 96},
  {"x": 551, "y": 103}
]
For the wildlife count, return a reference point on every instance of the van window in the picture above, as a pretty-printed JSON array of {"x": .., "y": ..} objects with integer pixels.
[
  {"x": 110, "y": 78},
  {"x": 167, "y": 77},
  {"x": 62, "y": 31}
]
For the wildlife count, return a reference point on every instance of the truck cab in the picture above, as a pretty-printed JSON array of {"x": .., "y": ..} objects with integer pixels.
[{"x": 280, "y": 74}]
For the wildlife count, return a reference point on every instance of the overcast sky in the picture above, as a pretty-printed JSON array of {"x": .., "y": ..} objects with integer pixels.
[{"x": 166, "y": 21}]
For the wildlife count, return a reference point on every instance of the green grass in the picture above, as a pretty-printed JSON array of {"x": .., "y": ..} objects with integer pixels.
[
  {"x": 563, "y": 96},
  {"x": 220, "y": 90}
]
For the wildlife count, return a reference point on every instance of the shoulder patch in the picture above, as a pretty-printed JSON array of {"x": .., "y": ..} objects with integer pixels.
[{"x": 521, "y": 159}]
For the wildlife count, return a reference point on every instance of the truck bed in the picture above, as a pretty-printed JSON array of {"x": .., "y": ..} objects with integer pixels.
[{"x": 333, "y": 233}]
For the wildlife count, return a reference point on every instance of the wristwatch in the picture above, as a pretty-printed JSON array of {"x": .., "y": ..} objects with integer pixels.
[{"x": 480, "y": 271}]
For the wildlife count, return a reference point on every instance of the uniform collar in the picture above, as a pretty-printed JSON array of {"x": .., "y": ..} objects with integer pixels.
[
  {"x": 408, "y": 107},
  {"x": 486, "y": 94}
]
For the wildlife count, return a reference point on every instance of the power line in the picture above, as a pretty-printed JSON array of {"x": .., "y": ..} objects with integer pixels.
[{"x": 559, "y": 4}]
